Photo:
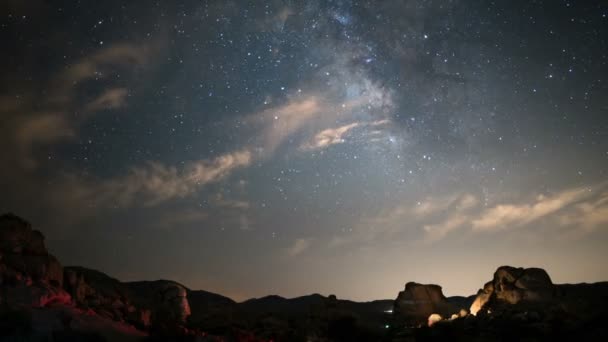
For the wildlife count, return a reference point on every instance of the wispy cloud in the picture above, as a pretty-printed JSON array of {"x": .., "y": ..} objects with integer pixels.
[
  {"x": 327, "y": 137},
  {"x": 43, "y": 128},
  {"x": 298, "y": 247},
  {"x": 434, "y": 205},
  {"x": 438, "y": 231},
  {"x": 303, "y": 116},
  {"x": 279, "y": 123},
  {"x": 575, "y": 207},
  {"x": 48, "y": 120},
  {"x": 308, "y": 118},
  {"x": 428, "y": 208},
  {"x": 98, "y": 64},
  {"x": 151, "y": 184},
  {"x": 338, "y": 135},
  {"x": 430, "y": 215},
  {"x": 110, "y": 99},
  {"x": 455, "y": 210},
  {"x": 504, "y": 216},
  {"x": 579, "y": 210},
  {"x": 158, "y": 183},
  {"x": 588, "y": 215}
]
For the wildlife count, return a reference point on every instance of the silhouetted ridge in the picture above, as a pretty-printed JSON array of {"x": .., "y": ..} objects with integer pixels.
[{"x": 77, "y": 302}]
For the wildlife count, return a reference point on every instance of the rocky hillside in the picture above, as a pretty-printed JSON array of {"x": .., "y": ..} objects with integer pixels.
[
  {"x": 42, "y": 301},
  {"x": 524, "y": 304}
]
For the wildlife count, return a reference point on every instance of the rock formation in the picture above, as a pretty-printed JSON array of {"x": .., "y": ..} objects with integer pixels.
[
  {"x": 49, "y": 302},
  {"x": 105, "y": 295},
  {"x": 29, "y": 275},
  {"x": 512, "y": 285},
  {"x": 140, "y": 303},
  {"x": 24, "y": 256},
  {"x": 524, "y": 304},
  {"x": 30, "y": 278},
  {"x": 417, "y": 302},
  {"x": 167, "y": 300}
]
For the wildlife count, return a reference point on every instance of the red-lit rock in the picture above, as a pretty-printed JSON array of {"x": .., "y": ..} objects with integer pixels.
[{"x": 23, "y": 255}]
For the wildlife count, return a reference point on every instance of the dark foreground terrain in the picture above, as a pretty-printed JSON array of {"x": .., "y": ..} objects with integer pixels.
[{"x": 42, "y": 301}]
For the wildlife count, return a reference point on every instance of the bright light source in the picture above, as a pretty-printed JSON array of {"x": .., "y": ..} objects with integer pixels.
[
  {"x": 387, "y": 326},
  {"x": 388, "y": 311},
  {"x": 434, "y": 318}
]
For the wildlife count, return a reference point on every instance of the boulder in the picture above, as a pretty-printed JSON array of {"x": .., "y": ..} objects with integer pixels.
[
  {"x": 513, "y": 286},
  {"x": 167, "y": 300},
  {"x": 418, "y": 302},
  {"x": 173, "y": 299},
  {"x": 435, "y": 318}
]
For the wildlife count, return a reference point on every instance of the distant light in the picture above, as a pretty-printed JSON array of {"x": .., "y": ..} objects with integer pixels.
[
  {"x": 434, "y": 318},
  {"x": 387, "y": 326},
  {"x": 388, "y": 311}
]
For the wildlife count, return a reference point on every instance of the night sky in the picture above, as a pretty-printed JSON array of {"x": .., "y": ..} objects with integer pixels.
[{"x": 292, "y": 147}]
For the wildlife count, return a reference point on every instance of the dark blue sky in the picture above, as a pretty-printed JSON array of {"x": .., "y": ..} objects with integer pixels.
[{"x": 291, "y": 147}]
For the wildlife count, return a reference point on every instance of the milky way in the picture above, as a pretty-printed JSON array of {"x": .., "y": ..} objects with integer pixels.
[{"x": 292, "y": 147}]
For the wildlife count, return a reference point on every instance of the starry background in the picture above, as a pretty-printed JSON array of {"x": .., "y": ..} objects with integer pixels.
[{"x": 291, "y": 147}]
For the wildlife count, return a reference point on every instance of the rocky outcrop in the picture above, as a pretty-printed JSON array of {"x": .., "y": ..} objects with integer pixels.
[
  {"x": 105, "y": 295},
  {"x": 514, "y": 291},
  {"x": 23, "y": 255},
  {"x": 524, "y": 304},
  {"x": 17, "y": 236},
  {"x": 167, "y": 300},
  {"x": 512, "y": 285},
  {"x": 417, "y": 302},
  {"x": 75, "y": 303},
  {"x": 29, "y": 275},
  {"x": 144, "y": 303}
]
